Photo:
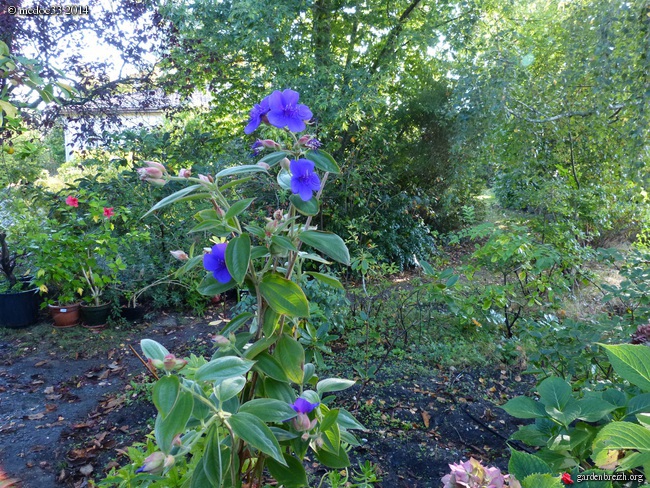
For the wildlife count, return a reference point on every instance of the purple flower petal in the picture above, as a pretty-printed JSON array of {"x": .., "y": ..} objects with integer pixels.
[
  {"x": 303, "y": 406},
  {"x": 285, "y": 111},
  {"x": 303, "y": 179},
  {"x": 255, "y": 116},
  {"x": 215, "y": 261}
]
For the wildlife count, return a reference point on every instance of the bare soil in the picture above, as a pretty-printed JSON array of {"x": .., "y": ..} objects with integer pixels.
[{"x": 64, "y": 421}]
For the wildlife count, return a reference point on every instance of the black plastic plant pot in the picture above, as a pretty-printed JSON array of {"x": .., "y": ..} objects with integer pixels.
[
  {"x": 95, "y": 316},
  {"x": 133, "y": 314},
  {"x": 19, "y": 309}
]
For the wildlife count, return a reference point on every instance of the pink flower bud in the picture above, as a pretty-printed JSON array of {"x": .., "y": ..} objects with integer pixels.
[
  {"x": 305, "y": 139},
  {"x": 185, "y": 173},
  {"x": 158, "y": 166},
  {"x": 176, "y": 441},
  {"x": 153, "y": 464},
  {"x": 149, "y": 173},
  {"x": 302, "y": 423},
  {"x": 170, "y": 363},
  {"x": 269, "y": 144},
  {"x": 264, "y": 165},
  {"x": 220, "y": 340},
  {"x": 156, "y": 363},
  {"x": 180, "y": 255},
  {"x": 220, "y": 211},
  {"x": 169, "y": 461},
  {"x": 207, "y": 179}
]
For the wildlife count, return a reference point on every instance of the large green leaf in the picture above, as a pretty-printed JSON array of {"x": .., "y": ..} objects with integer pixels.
[
  {"x": 327, "y": 279},
  {"x": 269, "y": 409},
  {"x": 257, "y": 434},
  {"x": 331, "y": 460},
  {"x": 622, "y": 435},
  {"x": 271, "y": 367},
  {"x": 165, "y": 393},
  {"x": 168, "y": 427},
  {"x": 638, "y": 404},
  {"x": 631, "y": 362},
  {"x": 328, "y": 243},
  {"x": 333, "y": 384},
  {"x": 238, "y": 254},
  {"x": 284, "y": 296},
  {"x": 541, "y": 481},
  {"x": 292, "y": 475},
  {"x": 274, "y": 158},
  {"x": 210, "y": 287},
  {"x": 524, "y": 408},
  {"x": 238, "y": 207},
  {"x": 153, "y": 350},
  {"x": 594, "y": 409},
  {"x": 237, "y": 170},
  {"x": 310, "y": 207},
  {"x": 323, "y": 161},
  {"x": 291, "y": 355},
  {"x": 174, "y": 197},
  {"x": 522, "y": 464},
  {"x": 229, "y": 387},
  {"x": 555, "y": 392},
  {"x": 216, "y": 458},
  {"x": 223, "y": 367}
]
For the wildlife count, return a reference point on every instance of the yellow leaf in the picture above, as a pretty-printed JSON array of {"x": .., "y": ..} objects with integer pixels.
[
  {"x": 96, "y": 218},
  {"x": 80, "y": 291},
  {"x": 43, "y": 288}
]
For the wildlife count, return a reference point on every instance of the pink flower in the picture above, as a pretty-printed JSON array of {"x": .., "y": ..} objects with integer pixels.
[
  {"x": 108, "y": 212},
  {"x": 72, "y": 201}
]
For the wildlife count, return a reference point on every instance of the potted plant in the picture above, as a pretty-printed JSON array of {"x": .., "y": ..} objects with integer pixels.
[
  {"x": 134, "y": 312},
  {"x": 19, "y": 299}
]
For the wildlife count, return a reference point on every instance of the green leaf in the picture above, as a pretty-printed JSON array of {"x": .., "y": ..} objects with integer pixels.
[
  {"x": 631, "y": 362},
  {"x": 168, "y": 200},
  {"x": 594, "y": 409},
  {"x": 541, "y": 481},
  {"x": 332, "y": 439},
  {"x": 327, "y": 279},
  {"x": 555, "y": 392},
  {"x": 284, "y": 179},
  {"x": 279, "y": 390},
  {"x": 271, "y": 367},
  {"x": 622, "y": 435},
  {"x": 153, "y": 350},
  {"x": 229, "y": 387},
  {"x": 568, "y": 414},
  {"x": 200, "y": 478},
  {"x": 236, "y": 323},
  {"x": 270, "y": 322},
  {"x": 237, "y": 170},
  {"x": 333, "y": 384},
  {"x": 310, "y": 207},
  {"x": 524, "y": 408},
  {"x": 284, "y": 296},
  {"x": 347, "y": 421},
  {"x": 209, "y": 286},
  {"x": 531, "y": 435},
  {"x": 257, "y": 434},
  {"x": 274, "y": 158},
  {"x": 210, "y": 225},
  {"x": 291, "y": 355},
  {"x": 638, "y": 404},
  {"x": 283, "y": 242},
  {"x": 292, "y": 475},
  {"x": 165, "y": 393},
  {"x": 238, "y": 254},
  {"x": 328, "y": 243},
  {"x": 328, "y": 419},
  {"x": 331, "y": 460},
  {"x": 166, "y": 428},
  {"x": 222, "y": 368},
  {"x": 238, "y": 208},
  {"x": 216, "y": 458},
  {"x": 323, "y": 161},
  {"x": 269, "y": 410},
  {"x": 259, "y": 347},
  {"x": 522, "y": 464}
]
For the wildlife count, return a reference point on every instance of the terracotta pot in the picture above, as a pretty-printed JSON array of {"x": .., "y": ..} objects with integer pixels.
[{"x": 64, "y": 316}]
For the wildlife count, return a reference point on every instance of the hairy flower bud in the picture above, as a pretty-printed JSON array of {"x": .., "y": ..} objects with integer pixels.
[
  {"x": 184, "y": 173},
  {"x": 207, "y": 179},
  {"x": 170, "y": 363},
  {"x": 277, "y": 215},
  {"x": 156, "y": 363},
  {"x": 154, "y": 463},
  {"x": 302, "y": 423},
  {"x": 180, "y": 255},
  {"x": 284, "y": 164},
  {"x": 148, "y": 173},
  {"x": 269, "y": 144},
  {"x": 220, "y": 340},
  {"x": 264, "y": 165},
  {"x": 154, "y": 164}
]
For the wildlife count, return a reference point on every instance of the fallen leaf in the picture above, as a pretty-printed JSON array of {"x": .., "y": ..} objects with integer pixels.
[
  {"x": 49, "y": 390},
  {"x": 50, "y": 407},
  {"x": 35, "y": 416},
  {"x": 86, "y": 470},
  {"x": 40, "y": 363},
  {"x": 426, "y": 418}
]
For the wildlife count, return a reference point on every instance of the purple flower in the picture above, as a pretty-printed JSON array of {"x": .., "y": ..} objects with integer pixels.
[
  {"x": 215, "y": 261},
  {"x": 256, "y": 115},
  {"x": 285, "y": 111},
  {"x": 257, "y": 147},
  {"x": 303, "y": 406},
  {"x": 303, "y": 179}
]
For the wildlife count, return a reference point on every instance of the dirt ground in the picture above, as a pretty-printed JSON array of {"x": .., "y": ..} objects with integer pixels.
[{"x": 65, "y": 420}]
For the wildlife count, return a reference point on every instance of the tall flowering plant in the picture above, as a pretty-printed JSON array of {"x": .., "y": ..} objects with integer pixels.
[{"x": 256, "y": 403}]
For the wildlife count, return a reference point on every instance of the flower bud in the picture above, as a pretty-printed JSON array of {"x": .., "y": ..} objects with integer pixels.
[
  {"x": 302, "y": 423},
  {"x": 184, "y": 173},
  {"x": 176, "y": 441},
  {"x": 304, "y": 139},
  {"x": 207, "y": 179},
  {"x": 149, "y": 173},
  {"x": 277, "y": 215},
  {"x": 154, "y": 164},
  {"x": 269, "y": 144},
  {"x": 153, "y": 464},
  {"x": 156, "y": 363},
  {"x": 319, "y": 442},
  {"x": 220, "y": 340},
  {"x": 180, "y": 255},
  {"x": 264, "y": 165},
  {"x": 169, "y": 461},
  {"x": 285, "y": 163},
  {"x": 170, "y": 363}
]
